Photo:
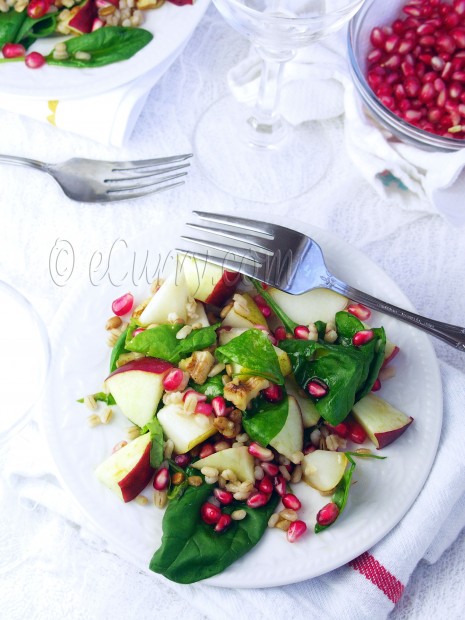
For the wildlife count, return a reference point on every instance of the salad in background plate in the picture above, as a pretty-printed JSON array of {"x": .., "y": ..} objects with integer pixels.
[{"x": 237, "y": 395}]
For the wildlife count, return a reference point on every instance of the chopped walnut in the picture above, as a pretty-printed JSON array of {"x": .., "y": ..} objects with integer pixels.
[
  {"x": 241, "y": 392},
  {"x": 231, "y": 426},
  {"x": 198, "y": 365}
]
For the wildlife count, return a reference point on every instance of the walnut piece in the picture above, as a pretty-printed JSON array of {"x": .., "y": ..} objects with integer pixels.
[
  {"x": 240, "y": 392},
  {"x": 198, "y": 365}
]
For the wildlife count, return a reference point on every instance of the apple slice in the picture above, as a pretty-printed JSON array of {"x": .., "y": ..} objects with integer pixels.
[
  {"x": 290, "y": 438},
  {"x": 137, "y": 387},
  {"x": 82, "y": 17},
  {"x": 310, "y": 415},
  {"x": 200, "y": 316},
  {"x": 128, "y": 471},
  {"x": 237, "y": 460},
  {"x": 185, "y": 430},
  {"x": 244, "y": 313},
  {"x": 171, "y": 298},
  {"x": 320, "y": 304},
  {"x": 323, "y": 469},
  {"x": 382, "y": 422},
  {"x": 390, "y": 352},
  {"x": 207, "y": 282}
]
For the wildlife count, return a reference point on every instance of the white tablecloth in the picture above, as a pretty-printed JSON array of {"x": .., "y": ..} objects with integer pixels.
[{"x": 70, "y": 577}]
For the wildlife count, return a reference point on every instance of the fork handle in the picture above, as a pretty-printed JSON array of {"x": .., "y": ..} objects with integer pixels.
[
  {"x": 452, "y": 334},
  {"x": 23, "y": 161}
]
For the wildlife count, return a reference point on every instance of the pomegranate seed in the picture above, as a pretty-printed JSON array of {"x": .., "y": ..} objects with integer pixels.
[
  {"x": 223, "y": 496},
  {"x": 391, "y": 43},
  {"x": 37, "y": 8},
  {"x": 309, "y": 448},
  {"x": 210, "y": 513},
  {"x": 206, "y": 450},
  {"x": 375, "y": 55},
  {"x": 427, "y": 93},
  {"x": 427, "y": 41},
  {"x": 138, "y": 331},
  {"x": 123, "y": 304},
  {"x": 280, "y": 333},
  {"x": 301, "y": 332},
  {"x": 291, "y": 501},
  {"x": 280, "y": 485},
  {"x": 455, "y": 90},
  {"x": 162, "y": 479},
  {"x": 377, "y": 37},
  {"x": 451, "y": 20},
  {"x": 296, "y": 530},
  {"x": 328, "y": 514},
  {"x": 266, "y": 485},
  {"x": 219, "y": 406},
  {"x": 408, "y": 68},
  {"x": 376, "y": 386},
  {"x": 223, "y": 523},
  {"x": 459, "y": 6},
  {"x": 364, "y": 335},
  {"x": 35, "y": 60},
  {"x": 13, "y": 50},
  {"x": 411, "y": 9},
  {"x": 356, "y": 432},
  {"x": 257, "y": 451},
  {"x": 412, "y": 86},
  {"x": 317, "y": 388},
  {"x": 97, "y": 23},
  {"x": 270, "y": 468},
  {"x": 437, "y": 63},
  {"x": 273, "y": 393},
  {"x": 182, "y": 460},
  {"x": 406, "y": 46},
  {"x": 360, "y": 311},
  {"x": 201, "y": 398},
  {"x": 257, "y": 500},
  {"x": 340, "y": 429},
  {"x": 425, "y": 29},
  {"x": 204, "y": 409},
  {"x": 174, "y": 380}
]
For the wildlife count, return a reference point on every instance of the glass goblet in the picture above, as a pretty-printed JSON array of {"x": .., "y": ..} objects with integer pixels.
[{"x": 254, "y": 153}]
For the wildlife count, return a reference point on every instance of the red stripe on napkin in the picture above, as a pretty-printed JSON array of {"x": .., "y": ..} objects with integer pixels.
[{"x": 375, "y": 572}]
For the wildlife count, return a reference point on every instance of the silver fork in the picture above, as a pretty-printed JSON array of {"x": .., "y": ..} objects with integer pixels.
[
  {"x": 90, "y": 180},
  {"x": 294, "y": 263}
]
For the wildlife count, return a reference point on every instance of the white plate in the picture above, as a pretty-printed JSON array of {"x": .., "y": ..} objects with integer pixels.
[
  {"x": 171, "y": 26},
  {"x": 384, "y": 490}
]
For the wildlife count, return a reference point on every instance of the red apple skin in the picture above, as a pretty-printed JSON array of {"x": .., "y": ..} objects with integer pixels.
[
  {"x": 138, "y": 478},
  {"x": 384, "y": 439},
  {"x": 224, "y": 288},
  {"x": 83, "y": 19},
  {"x": 146, "y": 364}
]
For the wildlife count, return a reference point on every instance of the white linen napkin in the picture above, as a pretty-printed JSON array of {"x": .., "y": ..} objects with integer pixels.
[
  {"x": 317, "y": 85},
  {"x": 108, "y": 118},
  {"x": 366, "y": 588}
]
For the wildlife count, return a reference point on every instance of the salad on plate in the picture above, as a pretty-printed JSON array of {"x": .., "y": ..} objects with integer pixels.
[
  {"x": 81, "y": 33},
  {"x": 239, "y": 394}
]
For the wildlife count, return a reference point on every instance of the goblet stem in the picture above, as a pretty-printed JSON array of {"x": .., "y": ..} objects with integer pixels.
[{"x": 268, "y": 127}]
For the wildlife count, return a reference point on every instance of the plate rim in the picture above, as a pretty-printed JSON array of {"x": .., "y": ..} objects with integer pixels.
[{"x": 123, "y": 550}]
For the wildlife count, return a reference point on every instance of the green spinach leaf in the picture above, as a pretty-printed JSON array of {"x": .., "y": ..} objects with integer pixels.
[
  {"x": 253, "y": 351},
  {"x": 288, "y": 323},
  {"x": 264, "y": 420},
  {"x": 32, "y": 29},
  {"x": 161, "y": 341},
  {"x": 118, "y": 349},
  {"x": 10, "y": 24},
  {"x": 105, "y": 46},
  {"x": 156, "y": 435},
  {"x": 191, "y": 551}
]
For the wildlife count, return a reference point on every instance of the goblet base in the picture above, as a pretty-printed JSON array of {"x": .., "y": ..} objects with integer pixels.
[{"x": 245, "y": 165}]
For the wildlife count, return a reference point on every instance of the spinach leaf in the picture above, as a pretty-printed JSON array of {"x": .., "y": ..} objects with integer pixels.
[
  {"x": 102, "y": 397},
  {"x": 264, "y": 420},
  {"x": 105, "y": 46},
  {"x": 10, "y": 24},
  {"x": 156, "y": 435},
  {"x": 212, "y": 387},
  {"x": 341, "y": 493},
  {"x": 118, "y": 349},
  {"x": 288, "y": 323},
  {"x": 32, "y": 29},
  {"x": 161, "y": 341},
  {"x": 253, "y": 351},
  {"x": 191, "y": 551}
]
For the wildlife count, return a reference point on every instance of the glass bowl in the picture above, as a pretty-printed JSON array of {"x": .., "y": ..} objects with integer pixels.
[{"x": 381, "y": 13}]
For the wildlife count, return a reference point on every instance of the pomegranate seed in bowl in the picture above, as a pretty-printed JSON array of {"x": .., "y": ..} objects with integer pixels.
[{"x": 123, "y": 304}]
